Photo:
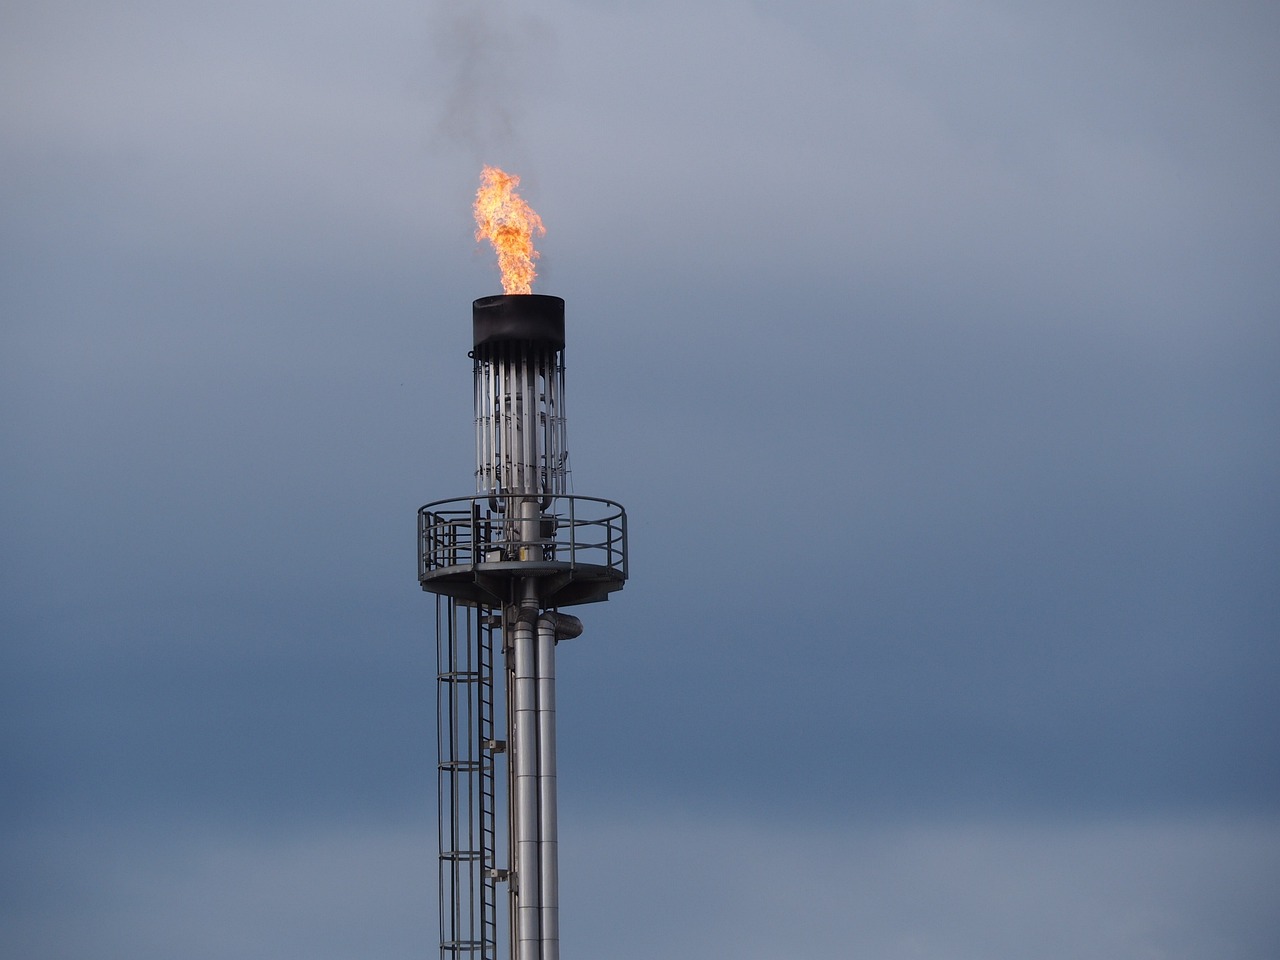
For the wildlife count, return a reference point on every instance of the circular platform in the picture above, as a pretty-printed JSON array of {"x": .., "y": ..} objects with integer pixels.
[{"x": 477, "y": 549}]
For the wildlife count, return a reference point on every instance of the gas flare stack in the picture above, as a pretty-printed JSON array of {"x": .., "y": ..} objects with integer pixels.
[{"x": 502, "y": 563}]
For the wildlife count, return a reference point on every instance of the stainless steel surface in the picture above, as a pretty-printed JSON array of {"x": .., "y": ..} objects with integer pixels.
[
  {"x": 520, "y": 420},
  {"x": 511, "y": 555},
  {"x": 527, "y": 892},
  {"x": 548, "y": 836}
]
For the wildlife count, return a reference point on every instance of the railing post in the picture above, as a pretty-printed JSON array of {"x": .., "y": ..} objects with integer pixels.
[
  {"x": 475, "y": 531},
  {"x": 422, "y": 569},
  {"x": 622, "y": 530},
  {"x": 608, "y": 557},
  {"x": 573, "y": 534}
]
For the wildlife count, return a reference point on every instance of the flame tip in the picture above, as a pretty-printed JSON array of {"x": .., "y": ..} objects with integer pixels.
[{"x": 509, "y": 224}]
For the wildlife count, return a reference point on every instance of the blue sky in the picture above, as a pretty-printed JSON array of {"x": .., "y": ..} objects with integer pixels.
[{"x": 931, "y": 346}]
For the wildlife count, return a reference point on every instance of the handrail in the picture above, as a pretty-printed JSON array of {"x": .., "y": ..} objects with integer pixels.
[{"x": 484, "y": 531}]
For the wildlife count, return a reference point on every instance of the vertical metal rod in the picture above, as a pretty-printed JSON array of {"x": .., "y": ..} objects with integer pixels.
[
  {"x": 506, "y": 448},
  {"x": 529, "y": 431},
  {"x": 478, "y": 398}
]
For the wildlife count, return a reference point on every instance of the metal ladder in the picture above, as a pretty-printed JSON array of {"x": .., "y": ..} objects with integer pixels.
[
  {"x": 489, "y": 748},
  {"x": 465, "y": 780}
]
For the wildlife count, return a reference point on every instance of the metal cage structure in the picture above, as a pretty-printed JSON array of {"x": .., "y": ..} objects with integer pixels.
[
  {"x": 502, "y": 563},
  {"x": 465, "y": 781},
  {"x": 520, "y": 445}
]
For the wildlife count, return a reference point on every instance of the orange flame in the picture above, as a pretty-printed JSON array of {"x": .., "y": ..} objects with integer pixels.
[{"x": 507, "y": 222}]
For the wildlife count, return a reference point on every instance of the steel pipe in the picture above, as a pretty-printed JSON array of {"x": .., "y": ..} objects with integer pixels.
[
  {"x": 548, "y": 840},
  {"x": 527, "y": 889}
]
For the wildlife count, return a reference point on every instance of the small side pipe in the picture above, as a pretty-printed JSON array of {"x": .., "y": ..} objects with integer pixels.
[{"x": 552, "y": 627}]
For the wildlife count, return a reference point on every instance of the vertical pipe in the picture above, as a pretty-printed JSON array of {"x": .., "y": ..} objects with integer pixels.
[
  {"x": 482, "y": 422},
  {"x": 560, "y": 466},
  {"x": 529, "y": 432},
  {"x": 544, "y": 430},
  {"x": 527, "y": 934},
  {"x": 530, "y": 528},
  {"x": 507, "y": 436},
  {"x": 548, "y": 843},
  {"x": 493, "y": 409}
]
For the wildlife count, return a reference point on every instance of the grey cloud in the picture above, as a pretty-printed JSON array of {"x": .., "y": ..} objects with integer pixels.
[
  {"x": 1177, "y": 889},
  {"x": 944, "y": 408},
  {"x": 1180, "y": 889}
]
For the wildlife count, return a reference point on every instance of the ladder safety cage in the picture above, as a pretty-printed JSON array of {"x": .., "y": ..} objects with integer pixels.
[{"x": 466, "y": 781}]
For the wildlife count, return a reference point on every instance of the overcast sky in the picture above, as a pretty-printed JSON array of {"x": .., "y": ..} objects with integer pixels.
[{"x": 932, "y": 346}]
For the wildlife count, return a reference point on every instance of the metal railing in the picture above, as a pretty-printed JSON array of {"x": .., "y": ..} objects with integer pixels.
[{"x": 504, "y": 531}]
